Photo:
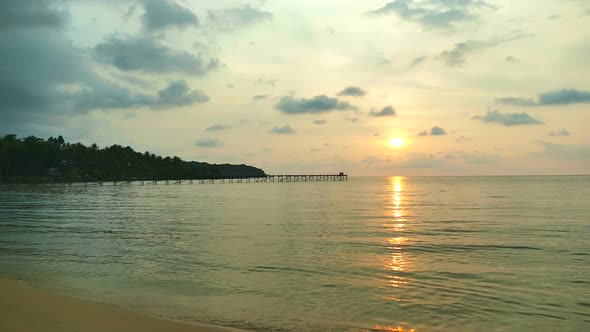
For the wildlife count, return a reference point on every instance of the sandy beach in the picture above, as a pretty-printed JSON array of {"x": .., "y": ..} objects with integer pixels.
[{"x": 25, "y": 308}]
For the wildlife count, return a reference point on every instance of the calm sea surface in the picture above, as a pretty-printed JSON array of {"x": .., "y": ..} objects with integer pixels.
[{"x": 424, "y": 253}]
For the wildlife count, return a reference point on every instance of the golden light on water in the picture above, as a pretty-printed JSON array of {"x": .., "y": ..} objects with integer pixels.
[{"x": 396, "y": 261}]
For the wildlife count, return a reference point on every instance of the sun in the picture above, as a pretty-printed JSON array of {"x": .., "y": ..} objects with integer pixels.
[{"x": 397, "y": 142}]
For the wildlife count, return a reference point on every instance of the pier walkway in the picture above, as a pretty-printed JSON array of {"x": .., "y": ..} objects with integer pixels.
[{"x": 261, "y": 179}]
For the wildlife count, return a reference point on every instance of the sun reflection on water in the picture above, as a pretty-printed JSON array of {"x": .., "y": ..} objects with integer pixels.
[
  {"x": 397, "y": 262},
  {"x": 381, "y": 328}
]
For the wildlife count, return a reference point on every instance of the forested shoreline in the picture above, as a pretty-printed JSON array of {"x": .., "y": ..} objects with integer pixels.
[{"x": 31, "y": 158}]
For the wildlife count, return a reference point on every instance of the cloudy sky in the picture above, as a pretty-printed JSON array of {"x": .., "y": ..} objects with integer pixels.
[{"x": 463, "y": 86}]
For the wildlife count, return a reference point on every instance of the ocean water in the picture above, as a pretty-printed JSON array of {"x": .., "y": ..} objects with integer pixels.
[{"x": 370, "y": 254}]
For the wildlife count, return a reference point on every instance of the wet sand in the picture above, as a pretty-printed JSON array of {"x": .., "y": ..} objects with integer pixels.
[{"x": 25, "y": 308}]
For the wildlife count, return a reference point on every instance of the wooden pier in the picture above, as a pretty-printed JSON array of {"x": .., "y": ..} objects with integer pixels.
[{"x": 271, "y": 178}]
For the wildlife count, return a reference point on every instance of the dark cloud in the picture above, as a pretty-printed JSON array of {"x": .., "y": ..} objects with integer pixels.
[
  {"x": 45, "y": 79},
  {"x": 209, "y": 143},
  {"x": 434, "y": 13},
  {"x": 106, "y": 96},
  {"x": 38, "y": 64},
  {"x": 320, "y": 122},
  {"x": 317, "y": 104},
  {"x": 260, "y": 97},
  {"x": 286, "y": 129},
  {"x": 557, "y": 97},
  {"x": 418, "y": 61},
  {"x": 352, "y": 91},
  {"x": 218, "y": 127},
  {"x": 560, "y": 132},
  {"x": 30, "y": 14},
  {"x": 231, "y": 18},
  {"x": 561, "y": 151},
  {"x": 564, "y": 97},
  {"x": 162, "y": 14},
  {"x": 144, "y": 53},
  {"x": 178, "y": 93},
  {"x": 386, "y": 111},
  {"x": 437, "y": 131},
  {"x": 508, "y": 119},
  {"x": 434, "y": 131}
]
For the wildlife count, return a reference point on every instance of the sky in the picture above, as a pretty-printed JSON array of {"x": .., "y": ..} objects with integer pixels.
[{"x": 370, "y": 88}]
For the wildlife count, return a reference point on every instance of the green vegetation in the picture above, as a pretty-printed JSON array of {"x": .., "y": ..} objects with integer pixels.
[{"x": 32, "y": 158}]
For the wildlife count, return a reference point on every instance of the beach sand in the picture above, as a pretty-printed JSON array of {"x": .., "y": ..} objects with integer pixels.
[{"x": 25, "y": 308}]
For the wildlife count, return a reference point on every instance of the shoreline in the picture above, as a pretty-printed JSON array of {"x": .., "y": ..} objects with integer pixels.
[{"x": 26, "y": 308}]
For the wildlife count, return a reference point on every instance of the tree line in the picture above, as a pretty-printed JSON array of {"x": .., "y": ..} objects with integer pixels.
[{"x": 31, "y": 157}]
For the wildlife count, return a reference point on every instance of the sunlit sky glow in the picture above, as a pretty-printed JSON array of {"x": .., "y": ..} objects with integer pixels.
[{"x": 467, "y": 87}]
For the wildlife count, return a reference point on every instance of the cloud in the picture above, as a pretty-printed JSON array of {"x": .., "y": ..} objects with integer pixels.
[
  {"x": 512, "y": 59},
  {"x": 560, "y": 132},
  {"x": 352, "y": 91},
  {"x": 317, "y": 104},
  {"x": 209, "y": 143},
  {"x": 286, "y": 129},
  {"x": 162, "y": 14},
  {"x": 30, "y": 14},
  {"x": 144, "y": 53},
  {"x": 434, "y": 131},
  {"x": 551, "y": 98},
  {"x": 560, "y": 151},
  {"x": 376, "y": 160},
  {"x": 479, "y": 158},
  {"x": 516, "y": 101},
  {"x": 508, "y": 119},
  {"x": 36, "y": 64},
  {"x": 271, "y": 82},
  {"x": 564, "y": 97},
  {"x": 456, "y": 57},
  {"x": 105, "y": 96},
  {"x": 178, "y": 93},
  {"x": 418, "y": 61},
  {"x": 231, "y": 18},
  {"x": 320, "y": 122},
  {"x": 260, "y": 97},
  {"x": 434, "y": 13},
  {"x": 421, "y": 161},
  {"x": 218, "y": 127},
  {"x": 386, "y": 111},
  {"x": 437, "y": 131}
]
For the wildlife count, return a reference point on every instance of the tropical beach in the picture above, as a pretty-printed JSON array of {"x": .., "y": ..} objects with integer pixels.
[{"x": 294, "y": 165}]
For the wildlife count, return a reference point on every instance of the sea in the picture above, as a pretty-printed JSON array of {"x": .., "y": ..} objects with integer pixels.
[{"x": 497, "y": 253}]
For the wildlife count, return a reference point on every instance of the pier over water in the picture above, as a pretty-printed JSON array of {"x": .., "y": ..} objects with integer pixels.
[{"x": 338, "y": 177}]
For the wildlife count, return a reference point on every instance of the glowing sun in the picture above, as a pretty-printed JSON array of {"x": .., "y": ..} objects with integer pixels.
[{"x": 397, "y": 142}]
